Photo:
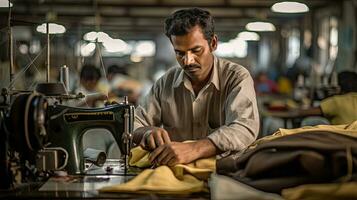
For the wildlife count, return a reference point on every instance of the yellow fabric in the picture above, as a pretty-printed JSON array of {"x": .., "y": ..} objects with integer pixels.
[
  {"x": 322, "y": 191},
  {"x": 340, "y": 109},
  {"x": 139, "y": 158},
  {"x": 284, "y": 86},
  {"x": 346, "y": 129},
  {"x": 180, "y": 179},
  {"x": 160, "y": 180},
  {"x": 201, "y": 168}
]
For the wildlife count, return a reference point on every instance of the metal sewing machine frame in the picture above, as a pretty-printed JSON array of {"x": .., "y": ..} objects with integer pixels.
[{"x": 67, "y": 125}]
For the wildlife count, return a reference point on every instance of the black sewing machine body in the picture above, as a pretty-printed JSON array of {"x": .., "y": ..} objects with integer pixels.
[
  {"x": 39, "y": 138},
  {"x": 67, "y": 125}
]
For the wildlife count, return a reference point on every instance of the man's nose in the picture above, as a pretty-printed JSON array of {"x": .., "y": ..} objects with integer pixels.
[{"x": 188, "y": 59}]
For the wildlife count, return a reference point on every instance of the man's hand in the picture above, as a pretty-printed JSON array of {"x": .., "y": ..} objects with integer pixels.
[
  {"x": 173, "y": 153},
  {"x": 154, "y": 137},
  {"x": 182, "y": 153}
]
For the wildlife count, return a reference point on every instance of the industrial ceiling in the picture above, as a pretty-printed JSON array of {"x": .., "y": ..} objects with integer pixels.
[{"x": 136, "y": 17}]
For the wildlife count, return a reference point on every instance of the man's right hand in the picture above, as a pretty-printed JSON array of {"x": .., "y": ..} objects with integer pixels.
[{"x": 154, "y": 137}]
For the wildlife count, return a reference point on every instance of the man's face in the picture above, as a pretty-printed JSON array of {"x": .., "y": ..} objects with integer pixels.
[{"x": 194, "y": 54}]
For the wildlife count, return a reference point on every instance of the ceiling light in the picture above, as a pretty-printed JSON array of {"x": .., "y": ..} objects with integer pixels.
[
  {"x": 135, "y": 58},
  {"x": 145, "y": 48},
  {"x": 52, "y": 28},
  {"x": 289, "y": 7},
  {"x": 87, "y": 49},
  {"x": 234, "y": 48},
  {"x": 90, "y": 36},
  {"x": 260, "y": 26},
  {"x": 5, "y": 4},
  {"x": 103, "y": 37},
  {"x": 99, "y": 36},
  {"x": 248, "y": 36},
  {"x": 115, "y": 45}
]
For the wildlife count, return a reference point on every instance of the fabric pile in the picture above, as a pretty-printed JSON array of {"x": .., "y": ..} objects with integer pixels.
[
  {"x": 290, "y": 158},
  {"x": 180, "y": 179}
]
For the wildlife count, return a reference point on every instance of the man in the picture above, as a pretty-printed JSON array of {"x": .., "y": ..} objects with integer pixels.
[
  {"x": 339, "y": 109},
  {"x": 208, "y": 100}
]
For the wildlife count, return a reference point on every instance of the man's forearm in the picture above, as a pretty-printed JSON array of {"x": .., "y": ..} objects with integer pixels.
[{"x": 205, "y": 148}]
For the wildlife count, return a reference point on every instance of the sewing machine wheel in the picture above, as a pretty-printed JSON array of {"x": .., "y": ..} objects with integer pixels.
[{"x": 27, "y": 123}]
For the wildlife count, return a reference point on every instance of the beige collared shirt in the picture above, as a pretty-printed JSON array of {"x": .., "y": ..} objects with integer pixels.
[{"x": 225, "y": 110}]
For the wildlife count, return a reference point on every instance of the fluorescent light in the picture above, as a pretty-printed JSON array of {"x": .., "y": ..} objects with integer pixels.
[
  {"x": 90, "y": 36},
  {"x": 53, "y": 28},
  {"x": 115, "y": 45},
  {"x": 103, "y": 37},
  {"x": 260, "y": 26},
  {"x": 5, "y": 4},
  {"x": 87, "y": 49},
  {"x": 248, "y": 36},
  {"x": 145, "y": 48},
  {"x": 289, "y": 7},
  {"x": 234, "y": 48},
  {"x": 99, "y": 36},
  {"x": 239, "y": 48}
]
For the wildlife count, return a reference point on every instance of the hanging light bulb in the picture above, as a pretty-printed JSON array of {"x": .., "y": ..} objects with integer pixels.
[
  {"x": 248, "y": 36},
  {"x": 289, "y": 7},
  {"x": 260, "y": 26},
  {"x": 52, "y": 28},
  {"x": 5, "y": 4}
]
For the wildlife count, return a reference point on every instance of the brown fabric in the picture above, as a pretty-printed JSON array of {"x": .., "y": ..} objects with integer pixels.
[
  {"x": 330, "y": 191},
  {"x": 292, "y": 160}
]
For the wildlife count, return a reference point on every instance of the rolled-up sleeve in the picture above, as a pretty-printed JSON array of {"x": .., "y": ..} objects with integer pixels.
[{"x": 241, "y": 117}]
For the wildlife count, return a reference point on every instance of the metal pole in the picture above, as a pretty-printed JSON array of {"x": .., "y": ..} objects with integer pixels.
[
  {"x": 48, "y": 53},
  {"x": 11, "y": 49}
]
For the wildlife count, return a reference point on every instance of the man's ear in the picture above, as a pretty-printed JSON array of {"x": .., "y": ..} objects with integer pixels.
[{"x": 214, "y": 43}]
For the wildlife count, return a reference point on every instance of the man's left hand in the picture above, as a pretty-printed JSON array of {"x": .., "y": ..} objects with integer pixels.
[
  {"x": 182, "y": 153},
  {"x": 173, "y": 153}
]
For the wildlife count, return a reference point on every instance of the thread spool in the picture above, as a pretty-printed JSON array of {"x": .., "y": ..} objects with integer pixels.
[{"x": 64, "y": 77}]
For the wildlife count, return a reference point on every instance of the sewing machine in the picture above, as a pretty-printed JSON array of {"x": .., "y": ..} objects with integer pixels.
[
  {"x": 49, "y": 137},
  {"x": 67, "y": 125}
]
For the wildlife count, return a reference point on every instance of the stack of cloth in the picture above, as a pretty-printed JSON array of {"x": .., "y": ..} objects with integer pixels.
[
  {"x": 306, "y": 163},
  {"x": 179, "y": 179}
]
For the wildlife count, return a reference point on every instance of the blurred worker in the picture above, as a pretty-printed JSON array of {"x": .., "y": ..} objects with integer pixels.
[
  {"x": 206, "y": 99},
  {"x": 121, "y": 84},
  {"x": 339, "y": 109},
  {"x": 89, "y": 77},
  {"x": 264, "y": 85}
]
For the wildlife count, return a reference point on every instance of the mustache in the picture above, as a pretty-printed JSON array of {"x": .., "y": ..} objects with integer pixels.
[{"x": 191, "y": 66}]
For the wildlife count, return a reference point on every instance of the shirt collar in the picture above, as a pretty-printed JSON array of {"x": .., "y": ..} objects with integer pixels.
[
  {"x": 182, "y": 77},
  {"x": 215, "y": 76}
]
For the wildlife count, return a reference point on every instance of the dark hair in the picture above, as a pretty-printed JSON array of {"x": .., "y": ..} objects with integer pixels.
[
  {"x": 347, "y": 80},
  {"x": 182, "y": 21},
  {"x": 115, "y": 69},
  {"x": 90, "y": 72}
]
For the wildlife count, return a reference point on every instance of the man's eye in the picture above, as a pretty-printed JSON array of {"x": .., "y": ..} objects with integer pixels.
[
  {"x": 179, "y": 53},
  {"x": 196, "y": 50}
]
